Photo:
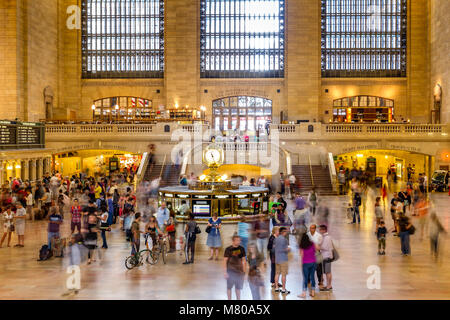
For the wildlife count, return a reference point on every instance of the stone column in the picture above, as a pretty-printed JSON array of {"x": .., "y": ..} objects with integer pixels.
[
  {"x": 32, "y": 170},
  {"x": 2, "y": 173},
  {"x": 25, "y": 170},
  {"x": 40, "y": 168}
]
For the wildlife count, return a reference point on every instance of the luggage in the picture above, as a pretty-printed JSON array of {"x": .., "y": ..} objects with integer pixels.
[{"x": 44, "y": 253}]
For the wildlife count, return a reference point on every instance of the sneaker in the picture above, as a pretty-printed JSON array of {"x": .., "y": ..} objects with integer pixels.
[
  {"x": 278, "y": 290},
  {"x": 285, "y": 292},
  {"x": 186, "y": 262}
]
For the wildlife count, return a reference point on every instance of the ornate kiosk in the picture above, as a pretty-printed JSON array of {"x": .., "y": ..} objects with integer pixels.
[{"x": 213, "y": 193}]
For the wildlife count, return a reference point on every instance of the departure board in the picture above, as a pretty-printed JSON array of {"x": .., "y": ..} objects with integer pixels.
[{"x": 21, "y": 135}]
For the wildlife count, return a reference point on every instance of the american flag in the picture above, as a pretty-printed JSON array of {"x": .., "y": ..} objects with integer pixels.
[
  {"x": 141, "y": 102},
  {"x": 133, "y": 102}
]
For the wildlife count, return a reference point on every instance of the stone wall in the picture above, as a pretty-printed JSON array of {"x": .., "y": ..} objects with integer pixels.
[{"x": 440, "y": 53}]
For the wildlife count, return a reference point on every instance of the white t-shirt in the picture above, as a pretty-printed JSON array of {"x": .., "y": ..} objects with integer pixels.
[
  {"x": 316, "y": 238},
  {"x": 30, "y": 199},
  {"x": 20, "y": 213}
]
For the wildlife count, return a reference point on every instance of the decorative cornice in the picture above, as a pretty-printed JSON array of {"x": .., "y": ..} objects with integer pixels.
[{"x": 124, "y": 83}]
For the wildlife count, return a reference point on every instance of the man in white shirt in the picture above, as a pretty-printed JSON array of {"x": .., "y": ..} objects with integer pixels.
[
  {"x": 326, "y": 248},
  {"x": 162, "y": 216},
  {"x": 316, "y": 238},
  {"x": 29, "y": 200}
]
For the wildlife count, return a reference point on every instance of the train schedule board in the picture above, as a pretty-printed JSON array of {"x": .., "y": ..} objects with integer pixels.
[{"x": 15, "y": 135}]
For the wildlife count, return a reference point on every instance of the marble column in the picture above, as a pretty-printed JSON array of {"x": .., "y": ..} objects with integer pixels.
[{"x": 25, "y": 170}]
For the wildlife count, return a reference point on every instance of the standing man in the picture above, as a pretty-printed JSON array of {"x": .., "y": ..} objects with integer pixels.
[
  {"x": 234, "y": 267},
  {"x": 135, "y": 234},
  {"x": 326, "y": 248},
  {"x": 162, "y": 216},
  {"x": 262, "y": 235},
  {"x": 281, "y": 260},
  {"x": 317, "y": 238}
]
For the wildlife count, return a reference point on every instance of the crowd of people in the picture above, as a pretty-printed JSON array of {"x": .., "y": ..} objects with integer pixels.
[{"x": 94, "y": 205}]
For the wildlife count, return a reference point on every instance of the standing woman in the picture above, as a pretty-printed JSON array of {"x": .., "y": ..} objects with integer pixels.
[
  {"x": 255, "y": 259},
  {"x": 8, "y": 217},
  {"x": 378, "y": 212},
  {"x": 308, "y": 257},
  {"x": 214, "y": 241},
  {"x": 190, "y": 236}
]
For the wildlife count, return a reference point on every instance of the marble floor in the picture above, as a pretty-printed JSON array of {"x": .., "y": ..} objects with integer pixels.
[{"x": 414, "y": 277}]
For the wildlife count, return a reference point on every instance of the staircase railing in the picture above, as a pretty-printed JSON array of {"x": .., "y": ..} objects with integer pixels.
[
  {"x": 142, "y": 168},
  {"x": 163, "y": 165},
  {"x": 310, "y": 170},
  {"x": 332, "y": 169}
]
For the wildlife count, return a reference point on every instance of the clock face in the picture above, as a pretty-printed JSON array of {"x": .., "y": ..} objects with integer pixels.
[{"x": 213, "y": 156}]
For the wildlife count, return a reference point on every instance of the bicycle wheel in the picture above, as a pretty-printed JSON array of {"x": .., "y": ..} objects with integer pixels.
[
  {"x": 153, "y": 257},
  {"x": 145, "y": 255},
  {"x": 131, "y": 262}
]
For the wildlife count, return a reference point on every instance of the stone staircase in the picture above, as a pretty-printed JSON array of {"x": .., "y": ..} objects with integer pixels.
[
  {"x": 321, "y": 177},
  {"x": 169, "y": 176}
]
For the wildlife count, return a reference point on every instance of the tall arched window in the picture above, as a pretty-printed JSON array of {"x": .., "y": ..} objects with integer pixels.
[
  {"x": 242, "y": 38},
  {"x": 242, "y": 113},
  {"x": 122, "y": 39}
]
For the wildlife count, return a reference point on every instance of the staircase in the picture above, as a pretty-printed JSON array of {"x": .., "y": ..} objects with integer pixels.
[
  {"x": 172, "y": 178},
  {"x": 321, "y": 177}
]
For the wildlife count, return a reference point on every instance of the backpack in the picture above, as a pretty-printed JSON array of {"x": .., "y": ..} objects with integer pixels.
[
  {"x": 44, "y": 253},
  {"x": 313, "y": 197}
]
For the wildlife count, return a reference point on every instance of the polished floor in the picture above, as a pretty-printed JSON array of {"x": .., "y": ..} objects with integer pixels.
[{"x": 414, "y": 277}]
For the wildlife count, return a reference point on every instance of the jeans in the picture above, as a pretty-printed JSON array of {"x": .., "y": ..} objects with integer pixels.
[
  {"x": 319, "y": 273},
  {"x": 308, "y": 275},
  {"x": 50, "y": 236},
  {"x": 272, "y": 268},
  {"x": 404, "y": 238},
  {"x": 356, "y": 214},
  {"x": 255, "y": 290},
  {"x": 244, "y": 243},
  {"x": 135, "y": 245},
  {"x": 261, "y": 245},
  {"x": 105, "y": 245}
]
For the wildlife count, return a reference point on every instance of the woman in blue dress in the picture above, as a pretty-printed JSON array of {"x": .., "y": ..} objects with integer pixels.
[{"x": 214, "y": 241}]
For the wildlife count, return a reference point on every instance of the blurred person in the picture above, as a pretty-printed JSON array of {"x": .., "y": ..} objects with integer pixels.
[
  {"x": 255, "y": 259},
  {"x": 234, "y": 267},
  {"x": 435, "y": 229},
  {"x": 171, "y": 231},
  {"x": 8, "y": 222},
  {"x": 379, "y": 214},
  {"x": 326, "y": 249},
  {"x": 381, "y": 237},
  {"x": 243, "y": 231},
  {"x": 312, "y": 200},
  {"x": 356, "y": 205},
  {"x": 19, "y": 224},
  {"x": 91, "y": 235},
  {"x": 54, "y": 222},
  {"x": 30, "y": 204},
  {"x": 214, "y": 241},
  {"x": 190, "y": 233},
  {"x": 422, "y": 210},
  {"x": 281, "y": 260},
  {"x": 271, "y": 250},
  {"x": 403, "y": 230},
  {"x": 308, "y": 250},
  {"x": 153, "y": 230},
  {"x": 262, "y": 233}
]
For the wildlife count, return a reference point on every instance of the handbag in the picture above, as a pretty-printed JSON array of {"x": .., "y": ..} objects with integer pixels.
[
  {"x": 170, "y": 228},
  {"x": 335, "y": 253},
  {"x": 412, "y": 230},
  {"x": 208, "y": 229},
  {"x": 197, "y": 229},
  {"x": 12, "y": 228}
]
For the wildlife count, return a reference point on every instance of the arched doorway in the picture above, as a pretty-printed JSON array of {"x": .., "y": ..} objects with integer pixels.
[{"x": 244, "y": 113}]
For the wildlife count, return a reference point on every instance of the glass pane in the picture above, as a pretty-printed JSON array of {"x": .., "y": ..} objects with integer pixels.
[
  {"x": 242, "y": 102},
  {"x": 234, "y": 123},
  {"x": 268, "y": 111},
  {"x": 259, "y": 102},
  {"x": 243, "y": 124},
  {"x": 267, "y": 103},
  {"x": 225, "y": 112},
  {"x": 225, "y": 123},
  {"x": 251, "y": 111},
  {"x": 233, "y": 101},
  {"x": 251, "y": 124},
  {"x": 242, "y": 112}
]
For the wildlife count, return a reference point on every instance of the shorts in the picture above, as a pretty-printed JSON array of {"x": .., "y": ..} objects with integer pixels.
[
  {"x": 20, "y": 229},
  {"x": 235, "y": 280},
  {"x": 282, "y": 268},
  {"x": 327, "y": 266}
]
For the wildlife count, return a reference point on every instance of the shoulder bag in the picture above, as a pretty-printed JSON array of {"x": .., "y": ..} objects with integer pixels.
[{"x": 335, "y": 253}]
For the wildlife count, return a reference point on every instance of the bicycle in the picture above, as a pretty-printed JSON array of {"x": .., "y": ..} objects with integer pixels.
[
  {"x": 161, "y": 250},
  {"x": 136, "y": 260}
]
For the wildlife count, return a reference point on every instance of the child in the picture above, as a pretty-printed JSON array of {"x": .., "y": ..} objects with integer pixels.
[{"x": 381, "y": 236}]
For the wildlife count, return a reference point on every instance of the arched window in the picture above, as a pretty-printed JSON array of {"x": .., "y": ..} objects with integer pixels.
[
  {"x": 241, "y": 113},
  {"x": 363, "y": 109},
  {"x": 123, "y": 108}
]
